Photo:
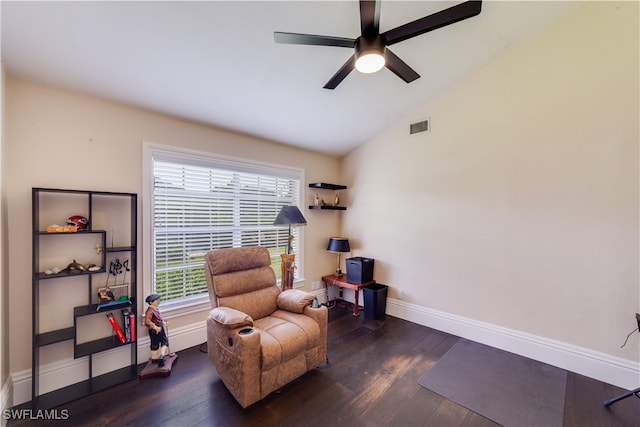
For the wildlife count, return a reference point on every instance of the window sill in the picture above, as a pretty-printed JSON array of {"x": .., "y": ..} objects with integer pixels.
[{"x": 185, "y": 307}]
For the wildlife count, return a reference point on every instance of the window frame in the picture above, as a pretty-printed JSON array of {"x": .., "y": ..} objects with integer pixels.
[{"x": 153, "y": 151}]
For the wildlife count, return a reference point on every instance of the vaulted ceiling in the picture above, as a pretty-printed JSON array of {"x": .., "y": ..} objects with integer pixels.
[{"x": 215, "y": 62}]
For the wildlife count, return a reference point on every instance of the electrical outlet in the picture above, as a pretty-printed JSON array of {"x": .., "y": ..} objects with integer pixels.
[{"x": 400, "y": 293}]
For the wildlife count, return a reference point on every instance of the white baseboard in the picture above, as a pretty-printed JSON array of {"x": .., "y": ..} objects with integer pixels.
[
  {"x": 603, "y": 367},
  {"x": 7, "y": 388},
  {"x": 21, "y": 387},
  {"x": 320, "y": 294},
  {"x": 60, "y": 371}
]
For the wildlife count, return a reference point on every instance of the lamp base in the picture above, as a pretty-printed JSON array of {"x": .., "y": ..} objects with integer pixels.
[{"x": 287, "y": 266}]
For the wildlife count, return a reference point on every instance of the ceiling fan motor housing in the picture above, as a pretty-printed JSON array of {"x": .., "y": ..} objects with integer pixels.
[
  {"x": 370, "y": 45},
  {"x": 370, "y": 53}
]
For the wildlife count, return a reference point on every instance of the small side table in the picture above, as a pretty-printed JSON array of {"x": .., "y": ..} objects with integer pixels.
[{"x": 341, "y": 281}]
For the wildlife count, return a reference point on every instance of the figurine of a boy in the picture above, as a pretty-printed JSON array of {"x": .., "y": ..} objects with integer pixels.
[{"x": 153, "y": 320}]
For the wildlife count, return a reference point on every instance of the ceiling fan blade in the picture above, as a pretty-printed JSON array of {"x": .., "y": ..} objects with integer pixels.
[
  {"x": 399, "y": 67},
  {"x": 310, "y": 39},
  {"x": 432, "y": 22},
  {"x": 342, "y": 73},
  {"x": 369, "y": 17}
]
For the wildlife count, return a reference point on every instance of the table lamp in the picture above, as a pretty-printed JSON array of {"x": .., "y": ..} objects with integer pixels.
[
  {"x": 289, "y": 215},
  {"x": 338, "y": 245}
]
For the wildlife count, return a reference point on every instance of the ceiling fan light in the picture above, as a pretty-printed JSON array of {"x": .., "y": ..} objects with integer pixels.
[
  {"x": 369, "y": 62},
  {"x": 369, "y": 54}
]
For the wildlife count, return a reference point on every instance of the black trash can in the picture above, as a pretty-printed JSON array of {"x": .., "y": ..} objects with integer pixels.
[{"x": 375, "y": 301}]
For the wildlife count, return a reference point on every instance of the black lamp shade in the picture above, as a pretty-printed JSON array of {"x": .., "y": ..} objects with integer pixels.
[
  {"x": 290, "y": 215},
  {"x": 338, "y": 244}
]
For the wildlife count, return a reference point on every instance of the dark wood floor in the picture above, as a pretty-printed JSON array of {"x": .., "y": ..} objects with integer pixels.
[{"x": 371, "y": 380}]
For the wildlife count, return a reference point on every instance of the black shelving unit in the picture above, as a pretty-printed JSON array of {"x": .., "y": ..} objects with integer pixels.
[
  {"x": 114, "y": 214},
  {"x": 327, "y": 186}
]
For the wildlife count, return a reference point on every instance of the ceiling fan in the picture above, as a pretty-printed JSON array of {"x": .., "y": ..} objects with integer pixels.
[{"x": 371, "y": 52}]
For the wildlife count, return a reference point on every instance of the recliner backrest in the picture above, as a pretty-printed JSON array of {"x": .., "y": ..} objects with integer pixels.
[{"x": 242, "y": 278}]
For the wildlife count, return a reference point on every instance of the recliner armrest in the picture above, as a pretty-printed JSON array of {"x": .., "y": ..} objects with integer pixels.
[
  {"x": 230, "y": 318},
  {"x": 294, "y": 300}
]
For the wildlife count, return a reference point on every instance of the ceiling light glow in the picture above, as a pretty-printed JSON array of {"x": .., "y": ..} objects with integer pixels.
[{"x": 370, "y": 62}]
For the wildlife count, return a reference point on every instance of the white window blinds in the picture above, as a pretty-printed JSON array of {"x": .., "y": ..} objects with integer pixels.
[{"x": 202, "y": 204}]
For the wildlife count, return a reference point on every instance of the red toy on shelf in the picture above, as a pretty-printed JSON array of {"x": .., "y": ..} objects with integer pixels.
[{"x": 116, "y": 328}]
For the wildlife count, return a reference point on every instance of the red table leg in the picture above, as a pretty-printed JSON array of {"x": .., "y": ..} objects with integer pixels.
[{"x": 356, "y": 306}]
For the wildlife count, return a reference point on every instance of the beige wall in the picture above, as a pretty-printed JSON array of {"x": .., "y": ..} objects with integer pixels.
[
  {"x": 520, "y": 207},
  {"x": 62, "y": 140},
  {"x": 4, "y": 280}
]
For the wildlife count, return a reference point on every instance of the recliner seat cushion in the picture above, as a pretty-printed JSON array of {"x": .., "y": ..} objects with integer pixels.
[
  {"x": 306, "y": 324},
  {"x": 282, "y": 339}
]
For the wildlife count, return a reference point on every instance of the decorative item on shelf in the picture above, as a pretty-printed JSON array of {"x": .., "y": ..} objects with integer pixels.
[
  {"x": 336, "y": 200},
  {"x": 75, "y": 267},
  {"x": 116, "y": 328},
  {"x": 78, "y": 221},
  {"x": 289, "y": 215},
  {"x": 108, "y": 296},
  {"x": 105, "y": 295},
  {"x": 54, "y": 270},
  {"x": 117, "y": 293},
  {"x": 55, "y": 228},
  {"x": 116, "y": 268},
  {"x": 132, "y": 326},
  {"x": 316, "y": 200},
  {"x": 129, "y": 322},
  {"x": 338, "y": 245}
]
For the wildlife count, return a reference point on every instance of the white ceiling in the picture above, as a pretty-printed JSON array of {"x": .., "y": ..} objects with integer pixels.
[{"x": 216, "y": 63}]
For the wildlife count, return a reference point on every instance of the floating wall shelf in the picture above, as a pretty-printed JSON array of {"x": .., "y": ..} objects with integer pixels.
[{"x": 326, "y": 186}]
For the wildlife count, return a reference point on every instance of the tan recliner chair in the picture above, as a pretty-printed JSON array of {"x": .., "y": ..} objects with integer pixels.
[{"x": 259, "y": 337}]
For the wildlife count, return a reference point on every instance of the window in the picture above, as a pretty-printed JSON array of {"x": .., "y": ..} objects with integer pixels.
[{"x": 199, "y": 202}]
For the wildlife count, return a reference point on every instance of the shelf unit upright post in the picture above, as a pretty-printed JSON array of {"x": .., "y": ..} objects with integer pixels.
[{"x": 63, "y": 315}]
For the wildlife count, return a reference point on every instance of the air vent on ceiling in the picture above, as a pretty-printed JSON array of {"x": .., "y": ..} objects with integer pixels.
[{"x": 418, "y": 127}]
